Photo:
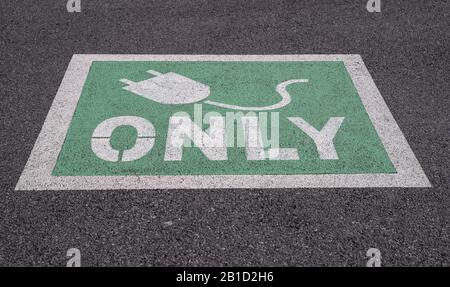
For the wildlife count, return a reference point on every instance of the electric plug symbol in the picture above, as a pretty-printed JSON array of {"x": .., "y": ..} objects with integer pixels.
[
  {"x": 172, "y": 88},
  {"x": 169, "y": 88}
]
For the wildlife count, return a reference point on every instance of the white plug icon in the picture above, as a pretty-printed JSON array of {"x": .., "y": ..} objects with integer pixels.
[
  {"x": 169, "y": 88},
  {"x": 172, "y": 88}
]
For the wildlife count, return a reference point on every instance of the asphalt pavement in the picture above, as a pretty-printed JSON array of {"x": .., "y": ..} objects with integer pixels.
[{"x": 405, "y": 48}]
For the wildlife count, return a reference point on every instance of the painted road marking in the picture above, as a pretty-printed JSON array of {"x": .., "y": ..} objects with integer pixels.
[
  {"x": 101, "y": 139},
  {"x": 203, "y": 121}
]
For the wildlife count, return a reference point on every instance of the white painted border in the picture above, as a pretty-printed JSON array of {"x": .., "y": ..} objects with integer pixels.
[{"x": 37, "y": 172}]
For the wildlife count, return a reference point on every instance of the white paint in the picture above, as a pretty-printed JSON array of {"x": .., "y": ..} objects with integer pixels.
[
  {"x": 283, "y": 154},
  {"x": 140, "y": 149},
  {"x": 100, "y": 141},
  {"x": 73, "y": 6},
  {"x": 254, "y": 147},
  {"x": 254, "y": 144},
  {"x": 323, "y": 138},
  {"x": 37, "y": 174},
  {"x": 182, "y": 129},
  {"x": 172, "y": 88},
  {"x": 373, "y": 6},
  {"x": 169, "y": 88},
  {"x": 281, "y": 89}
]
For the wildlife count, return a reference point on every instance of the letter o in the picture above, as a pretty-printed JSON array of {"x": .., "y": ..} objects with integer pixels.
[{"x": 100, "y": 140}]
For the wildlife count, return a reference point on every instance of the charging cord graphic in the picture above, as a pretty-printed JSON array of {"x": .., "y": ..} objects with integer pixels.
[{"x": 172, "y": 88}]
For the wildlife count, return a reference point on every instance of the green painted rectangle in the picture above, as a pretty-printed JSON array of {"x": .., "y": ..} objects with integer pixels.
[{"x": 330, "y": 92}]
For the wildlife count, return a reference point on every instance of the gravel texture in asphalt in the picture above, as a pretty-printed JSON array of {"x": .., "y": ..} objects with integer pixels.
[{"x": 405, "y": 48}]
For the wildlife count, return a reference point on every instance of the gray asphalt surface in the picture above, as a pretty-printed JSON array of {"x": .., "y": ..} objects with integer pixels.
[{"x": 406, "y": 49}]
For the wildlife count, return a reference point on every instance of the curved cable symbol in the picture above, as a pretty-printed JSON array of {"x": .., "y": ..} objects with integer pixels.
[
  {"x": 281, "y": 89},
  {"x": 172, "y": 88}
]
